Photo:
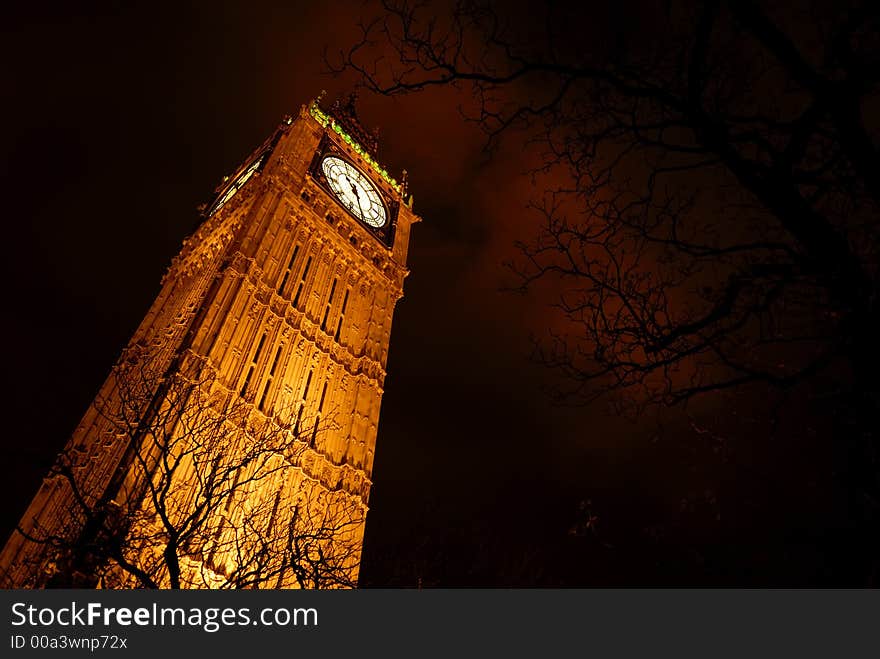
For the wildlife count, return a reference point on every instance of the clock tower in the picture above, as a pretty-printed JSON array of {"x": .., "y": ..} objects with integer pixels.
[{"x": 232, "y": 444}]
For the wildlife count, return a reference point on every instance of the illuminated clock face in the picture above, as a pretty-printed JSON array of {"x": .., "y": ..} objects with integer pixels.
[
  {"x": 355, "y": 191},
  {"x": 237, "y": 184}
]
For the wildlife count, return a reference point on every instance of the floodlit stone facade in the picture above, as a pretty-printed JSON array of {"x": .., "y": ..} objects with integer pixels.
[{"x": 232, "y": 445}]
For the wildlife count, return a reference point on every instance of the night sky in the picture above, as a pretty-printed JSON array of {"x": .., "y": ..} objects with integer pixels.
[{"x": 120, "y": 119}]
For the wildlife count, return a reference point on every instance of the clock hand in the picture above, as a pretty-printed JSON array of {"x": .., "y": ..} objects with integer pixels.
[{"x": 358, "y": 197}]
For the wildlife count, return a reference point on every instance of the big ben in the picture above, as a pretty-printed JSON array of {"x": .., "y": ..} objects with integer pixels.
[{"x": 232, "y": 444}]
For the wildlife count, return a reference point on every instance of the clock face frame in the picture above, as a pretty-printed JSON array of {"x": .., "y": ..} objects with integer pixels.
[
  {"x": 245, "y": 173},
  {"x": 238, "y": 183},
  {"x": 355, "y": 191},
  {"x": 328, "y": 150}
]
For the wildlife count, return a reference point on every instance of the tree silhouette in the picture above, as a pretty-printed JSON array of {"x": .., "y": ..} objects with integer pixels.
[
  {"x": 209, "y": 494},
  {"x": 709, "y": 209}
]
